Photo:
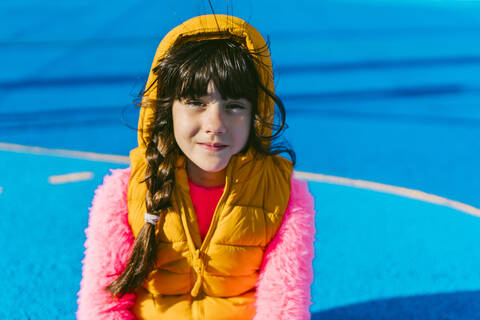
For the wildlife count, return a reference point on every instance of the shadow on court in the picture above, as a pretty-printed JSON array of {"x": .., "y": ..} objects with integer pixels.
[{"x": 454, "y": 305}]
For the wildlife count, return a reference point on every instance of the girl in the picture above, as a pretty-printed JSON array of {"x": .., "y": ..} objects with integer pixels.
[{"x": 208, "y": 222}]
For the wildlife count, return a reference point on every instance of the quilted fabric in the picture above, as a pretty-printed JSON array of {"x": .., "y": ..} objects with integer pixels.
[{"x": 283, "y": 286}]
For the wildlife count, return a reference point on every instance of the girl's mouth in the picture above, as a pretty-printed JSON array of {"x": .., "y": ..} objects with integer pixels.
[{"x": 213, "y": 146}]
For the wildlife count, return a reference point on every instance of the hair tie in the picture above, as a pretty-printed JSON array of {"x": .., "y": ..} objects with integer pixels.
[{"x": 151, "y": 218}]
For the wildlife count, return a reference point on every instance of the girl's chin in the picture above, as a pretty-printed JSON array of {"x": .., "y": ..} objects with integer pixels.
[
  {"x": 213, "y": 169},
  {"x": 209, "y": 166}
]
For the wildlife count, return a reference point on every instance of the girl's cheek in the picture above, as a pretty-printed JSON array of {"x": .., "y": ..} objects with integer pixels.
[{"x": 243, "y": 131}]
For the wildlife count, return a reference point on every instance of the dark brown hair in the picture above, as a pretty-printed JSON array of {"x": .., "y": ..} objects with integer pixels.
[{"x": 185, "y": 72}]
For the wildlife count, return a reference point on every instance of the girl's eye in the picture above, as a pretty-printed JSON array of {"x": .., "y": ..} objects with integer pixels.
[
  {"x": 235, "y": 106},
  {"x": 195, "y": 103}
]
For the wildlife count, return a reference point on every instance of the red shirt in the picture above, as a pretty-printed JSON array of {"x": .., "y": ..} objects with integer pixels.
[{"x": 205, "y": 200}]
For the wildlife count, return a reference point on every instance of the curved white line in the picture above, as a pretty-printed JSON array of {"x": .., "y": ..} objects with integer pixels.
[
  {"x": 363, "y": 184},
  {"x": 65, "y": 153},
  {"x": 379, "y": 187}
]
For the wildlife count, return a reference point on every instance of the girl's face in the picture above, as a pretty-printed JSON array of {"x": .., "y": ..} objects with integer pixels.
[{"x": 209, "y": 131}]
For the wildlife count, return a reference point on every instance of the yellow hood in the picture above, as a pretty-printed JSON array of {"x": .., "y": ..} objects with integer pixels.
[
  {"x": 198, "y": 28},
  {"x": 211, "y": 27}
]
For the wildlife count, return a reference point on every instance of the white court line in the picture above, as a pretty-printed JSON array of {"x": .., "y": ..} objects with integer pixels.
[
  {"x": 362, "y": 184},
  {"x": 70, "y": 177},
  {"x": 404, "y": 192},
  {"x": 64, "y": 153}
]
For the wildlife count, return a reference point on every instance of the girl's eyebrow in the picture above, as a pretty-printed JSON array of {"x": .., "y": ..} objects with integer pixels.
[{"x": 239, "y": 100}]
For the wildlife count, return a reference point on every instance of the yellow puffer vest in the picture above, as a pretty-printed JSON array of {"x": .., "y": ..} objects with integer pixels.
[
  {"x": 213, "y": 279},
  {"x": 216, "y": 279}
]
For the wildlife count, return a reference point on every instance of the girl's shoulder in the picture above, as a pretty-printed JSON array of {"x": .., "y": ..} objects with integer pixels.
[
  {"x": 114, "y": 186},
  {"x": 117, "y": 178},
  {"x": 109, "y": 205},
  {"x": 299, "y": 189},
  {"x": 301, "y": 200}
]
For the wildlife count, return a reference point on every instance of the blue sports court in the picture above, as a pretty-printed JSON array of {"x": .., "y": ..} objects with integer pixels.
[{"x": 383, "y": 108}]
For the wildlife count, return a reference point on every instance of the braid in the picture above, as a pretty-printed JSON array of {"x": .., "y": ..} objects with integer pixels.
[{"x": 161, "y": 155}]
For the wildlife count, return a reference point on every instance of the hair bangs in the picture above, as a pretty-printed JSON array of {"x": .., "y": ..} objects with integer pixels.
[{"x": 226, "y": 63}]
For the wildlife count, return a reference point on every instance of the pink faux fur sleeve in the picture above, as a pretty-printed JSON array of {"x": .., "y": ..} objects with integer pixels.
[
  {"x": 283, "y": 288},
  {"x": 108, "y": 245}
]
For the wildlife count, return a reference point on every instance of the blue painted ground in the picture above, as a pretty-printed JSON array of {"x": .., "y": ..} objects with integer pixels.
[
  {"x": 381, "y": 91},
  {"x": 378, "y": 256}
]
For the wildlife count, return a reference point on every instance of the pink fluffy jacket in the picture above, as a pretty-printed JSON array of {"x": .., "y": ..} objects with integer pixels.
[{"x": 283, "y": 286}]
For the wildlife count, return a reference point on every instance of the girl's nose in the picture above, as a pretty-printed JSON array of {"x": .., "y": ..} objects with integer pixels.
[{"x": 215, "y": 120}]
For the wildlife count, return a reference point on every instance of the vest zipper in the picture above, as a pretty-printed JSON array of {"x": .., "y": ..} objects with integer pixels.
[{"x": 198, "y": 262}]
